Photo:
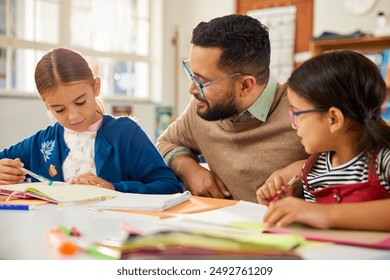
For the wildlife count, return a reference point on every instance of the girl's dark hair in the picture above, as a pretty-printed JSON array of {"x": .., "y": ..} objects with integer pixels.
[
  {"x": 351, "y": 82},
  {"x": 244, "y": 42},
  {"x": 62, "y": 66}
]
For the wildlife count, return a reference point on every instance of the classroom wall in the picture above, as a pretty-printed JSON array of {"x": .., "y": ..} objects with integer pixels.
[
  {"x": 20, "y": 117},
  {"x": 329, "y": 15},
  {"x": 182, "y": 16}
]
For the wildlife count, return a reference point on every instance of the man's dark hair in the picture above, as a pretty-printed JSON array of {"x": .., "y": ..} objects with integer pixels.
[{"x": 244, "y": 42}]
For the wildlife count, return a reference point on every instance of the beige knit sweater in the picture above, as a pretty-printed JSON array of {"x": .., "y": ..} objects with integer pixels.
[{"x": 243, "y": 154}]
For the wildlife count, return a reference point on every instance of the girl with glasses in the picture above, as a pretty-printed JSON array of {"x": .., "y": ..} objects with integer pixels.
[{"x": 336, "y": 103}]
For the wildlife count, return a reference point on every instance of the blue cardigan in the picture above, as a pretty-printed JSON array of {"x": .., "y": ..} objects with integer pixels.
[{"x": 124, "y": 156}]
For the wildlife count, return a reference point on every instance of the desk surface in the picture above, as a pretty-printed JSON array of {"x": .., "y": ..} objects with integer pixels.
[{"x": 22, "y": 233}]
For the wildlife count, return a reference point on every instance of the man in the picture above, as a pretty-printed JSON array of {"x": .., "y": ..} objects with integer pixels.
[{"x": 238, "y": 119}]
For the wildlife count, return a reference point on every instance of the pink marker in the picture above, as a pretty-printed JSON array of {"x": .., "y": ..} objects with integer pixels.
[
  {"x": 130, "y": 230},
  {"x": 75, "y": 232}
]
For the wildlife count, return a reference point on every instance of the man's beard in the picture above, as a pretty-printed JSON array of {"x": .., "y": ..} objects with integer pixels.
[{"x": 227, "y": 109}]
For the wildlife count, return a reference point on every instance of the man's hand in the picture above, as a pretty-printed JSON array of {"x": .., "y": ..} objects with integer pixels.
[{"x": 197, "y": 179}]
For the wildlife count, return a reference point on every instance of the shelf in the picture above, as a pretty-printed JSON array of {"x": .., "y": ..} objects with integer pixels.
[{"x": 366, "y": 44}]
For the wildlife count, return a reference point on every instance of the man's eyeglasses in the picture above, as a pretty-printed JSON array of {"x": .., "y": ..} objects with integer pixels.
[
  {"x": 294, "y": 114},
  {"x": 199, "y": 85}
]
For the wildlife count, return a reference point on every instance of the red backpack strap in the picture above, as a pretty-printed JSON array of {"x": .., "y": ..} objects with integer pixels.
[
  {"x": 308, "y": 166},
  {"x": 373, "y": 165}
]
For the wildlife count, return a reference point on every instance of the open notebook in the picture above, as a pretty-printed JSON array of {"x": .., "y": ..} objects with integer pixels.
[
  {"x": 58, "y": 192},
  {"x": 150, "y": 202}
]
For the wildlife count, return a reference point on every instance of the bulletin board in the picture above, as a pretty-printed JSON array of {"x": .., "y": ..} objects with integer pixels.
[
  {"x": 304, "y": 18},
  {"x": 281, "y": 26}
]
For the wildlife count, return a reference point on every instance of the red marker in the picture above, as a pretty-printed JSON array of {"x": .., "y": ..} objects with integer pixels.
[{"x": 277, "y": 196}]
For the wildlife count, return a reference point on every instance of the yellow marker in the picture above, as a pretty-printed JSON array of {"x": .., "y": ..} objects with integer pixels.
[{"x": 84, "y": 201}]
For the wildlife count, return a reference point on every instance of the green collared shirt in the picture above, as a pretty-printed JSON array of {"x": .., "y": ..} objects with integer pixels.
[{"x": 259, "y": 109}]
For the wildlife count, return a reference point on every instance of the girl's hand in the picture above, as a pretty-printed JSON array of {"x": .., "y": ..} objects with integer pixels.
[
  {"x": 272, "y": 187},
  {"x": 10, "y": 172},
  {"x": 291, "y": 209},
  {"x": 91, "y": 179}
]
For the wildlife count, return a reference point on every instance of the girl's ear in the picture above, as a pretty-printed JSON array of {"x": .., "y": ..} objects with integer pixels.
[
  {"x": 336, "y": 119},
  {"x": 96, "y": 87},
  {"x": 247, "y": 84}
]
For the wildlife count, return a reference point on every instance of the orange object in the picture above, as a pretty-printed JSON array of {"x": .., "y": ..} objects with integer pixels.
[
  {"x": 195, "y": 204},
  {"x": 61, "y": 242}
]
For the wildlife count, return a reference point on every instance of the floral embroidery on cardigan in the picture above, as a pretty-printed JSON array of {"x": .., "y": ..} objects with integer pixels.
[{"x": 47, "y": 148}]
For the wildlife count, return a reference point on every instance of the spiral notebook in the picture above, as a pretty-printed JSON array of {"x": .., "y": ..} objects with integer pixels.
[{"x": 150, "y": 202}]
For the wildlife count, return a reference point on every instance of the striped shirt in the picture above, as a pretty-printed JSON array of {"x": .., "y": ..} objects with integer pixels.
[{"x": 323, "y": 175}]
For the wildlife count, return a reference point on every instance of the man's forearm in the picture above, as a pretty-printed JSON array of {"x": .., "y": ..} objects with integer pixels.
[
  {"x": 183, "y": 164},
  {"x": 181, "y": 150}
]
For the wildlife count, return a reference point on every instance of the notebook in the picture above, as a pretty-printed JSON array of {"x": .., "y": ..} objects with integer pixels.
[
  {"x": 150, "y": 202},
  {"x": 213, "y": 244},
  {"x": 371, "y": 239},
  {"x": 31, "y": 201},
  {"x": 58, "y": 192},
  {"x": 195, "y": 204}
]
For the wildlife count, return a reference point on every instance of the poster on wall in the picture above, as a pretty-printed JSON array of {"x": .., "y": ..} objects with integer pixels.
[
  {"x": 281, "y": 23},
  {"x": 163, "y": 119}
]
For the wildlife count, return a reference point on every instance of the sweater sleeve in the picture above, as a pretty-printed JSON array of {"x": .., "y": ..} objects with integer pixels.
[
  {"x": 40, "y": 152},
  {"x": 143, "y": 170},
  {"x": 21, "y": 150}
]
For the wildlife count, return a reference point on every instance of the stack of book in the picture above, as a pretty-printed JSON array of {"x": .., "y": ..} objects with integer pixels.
[{"x": 210, "y": 244}]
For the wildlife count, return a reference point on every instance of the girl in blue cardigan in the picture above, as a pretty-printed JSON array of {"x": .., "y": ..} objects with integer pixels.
[{"x": 85, "y": 146}]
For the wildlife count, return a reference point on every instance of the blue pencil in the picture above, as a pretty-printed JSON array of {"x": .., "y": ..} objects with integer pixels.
[{"x": 16, "y": 207}]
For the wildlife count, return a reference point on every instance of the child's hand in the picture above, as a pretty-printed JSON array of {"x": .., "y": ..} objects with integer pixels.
[
  {"x": 91, "y": 179},
  {"x": 270, "y": 188},
  {"x": 10, "y": 172},
  {"x": 292, "y": 209}
]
